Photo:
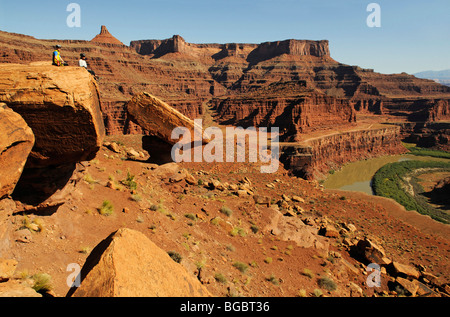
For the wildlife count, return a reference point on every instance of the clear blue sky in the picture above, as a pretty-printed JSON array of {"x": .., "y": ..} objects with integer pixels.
[{"x": 414, "y": 34}]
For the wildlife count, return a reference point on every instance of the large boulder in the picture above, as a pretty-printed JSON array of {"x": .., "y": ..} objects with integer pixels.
[
  {"x": 128, "y": 264},
  {"x": 62, "y": 107},
  {"x": 160, "y": 119},
  {"x": 16, "y": 142}
]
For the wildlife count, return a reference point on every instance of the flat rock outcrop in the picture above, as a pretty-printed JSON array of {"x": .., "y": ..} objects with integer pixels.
[
  {"x": 158, "y": 118},
  {"x": 16, "y": 142},
  {"x": 62, "y": 107},
  {"x": 128, "y": 264}
]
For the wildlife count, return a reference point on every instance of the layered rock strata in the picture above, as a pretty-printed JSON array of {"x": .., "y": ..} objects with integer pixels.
[
  {"x": 315, "y": 157},
  {"x": 296, "y": 111}
]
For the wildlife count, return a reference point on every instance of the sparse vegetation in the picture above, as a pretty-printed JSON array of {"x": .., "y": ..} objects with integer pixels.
[
  {"x": 268, "y": 260},
  {"x": 226, "y": 211},
  {"x": 191, "y": 217},
  {"x": 219, "y": 277},
  {"x": 272, "y": 279},
  {"x": 85, "y": 250},
  {"x": 175, "y": 256},
  {"x": 89, "y": 179},
  {"x": 242, "y": 267},
  {"x": 318, "y": 292},
  {"x": 236, "y": 231},
  {"x": 35, "y": 225},
  {"x": 308, "y": 273},
  {"x": 327, "y": 283},
  {"x": 254, "y": 228},
  {"x": 42, "y": 282},
  {"x": 136, "y": 197},
  {"x": 302, "y": 293},
  {"x": 129, "y": 182},
  {"x": 107, "y": 208}
]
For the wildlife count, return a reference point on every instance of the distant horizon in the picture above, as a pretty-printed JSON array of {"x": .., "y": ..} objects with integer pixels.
[{"x": 413, "y": 36}]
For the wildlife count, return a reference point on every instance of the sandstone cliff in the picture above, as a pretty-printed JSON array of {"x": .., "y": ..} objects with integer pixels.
[
  {"x": 295, "y": 109},
  {"x": 61, "y": 106},
  {"x": 314, "y": 157},
  {"x": 16, "y": 142},
  {"x": 186, "y": 75}
]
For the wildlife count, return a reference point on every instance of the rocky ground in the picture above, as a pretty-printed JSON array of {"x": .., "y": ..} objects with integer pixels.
[{"x": 240, "y": 232}]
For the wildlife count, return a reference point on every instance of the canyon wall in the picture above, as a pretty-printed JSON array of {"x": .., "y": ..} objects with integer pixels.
[
  {"x": 316, "y": 157},
  {"x": 293, "y": 84},
  {"x": 186, "y": 75},
  {"x": 295, "y": 114}
]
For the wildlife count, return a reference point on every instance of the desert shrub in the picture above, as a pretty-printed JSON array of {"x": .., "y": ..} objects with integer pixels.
[
  {"x": 318, "y": 292},
  {"x": 308, "y": 273},
  {"x": 154, "y": 207},
  {"x": 136, "y": 197},
  {"x": 242, "y": 267},
  {"x": 107, "y": 208},
  {"x": 191, "y": 216},
  {"x": 129, "y": 182},
  {"x": 254, "y": 228},
  {"x": 89, "y": 179},
  {"x": 219, "y": 277},
  {"x": 236, "y": 231},
  {"x": 302, "y": 293},
  {"x": 272, "y": 279},
  {"x": 42, "y": 282},
  {"x": 175, "y": 256},
  {"x": 227, "y": 211},
  {"x": 327, "y": 283}
]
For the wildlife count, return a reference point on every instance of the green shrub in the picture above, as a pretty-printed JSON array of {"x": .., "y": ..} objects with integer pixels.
[
  {"x": 191, "y": 216},
  {"x": 219, "y": 277},
  {"x": 42, "y": 282},
  {"x": 242, "y": 267},
  {"x": 327, "y": 283},
  {"x": 227, "y": 211},
  {"x": 107, "y": 208},
  {"x": 129, "y": 182},
  {"x": 308, "y": 273},
  {"x": 175, "y": 256}
]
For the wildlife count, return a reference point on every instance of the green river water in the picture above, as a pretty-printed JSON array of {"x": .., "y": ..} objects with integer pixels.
[{"x": 357, "y": 176}]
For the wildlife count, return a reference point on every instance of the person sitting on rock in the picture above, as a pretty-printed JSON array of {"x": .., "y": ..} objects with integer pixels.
[
  {"x": 57, "y": 59},
  {"x": 82, "y": 63}
]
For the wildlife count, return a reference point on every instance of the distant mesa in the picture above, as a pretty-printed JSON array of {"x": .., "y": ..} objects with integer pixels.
[{"x": 105, "y": 37}]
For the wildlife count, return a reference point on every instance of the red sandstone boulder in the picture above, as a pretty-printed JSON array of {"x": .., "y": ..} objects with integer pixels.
[
  {"x": 158, "y": 118},
  {"x": 128, "y": 264},
  {"x": 62, "y": 107},
  {"x": 16, "y": 142}
]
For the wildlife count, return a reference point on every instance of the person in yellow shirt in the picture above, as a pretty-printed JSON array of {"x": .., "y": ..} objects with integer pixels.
[{"x": 57, "y": 59}]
